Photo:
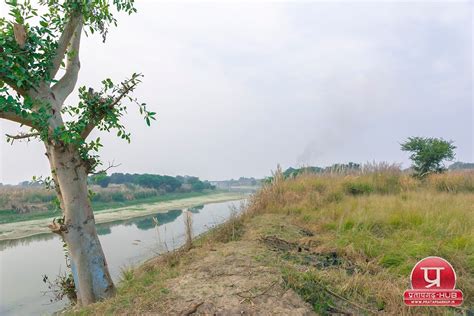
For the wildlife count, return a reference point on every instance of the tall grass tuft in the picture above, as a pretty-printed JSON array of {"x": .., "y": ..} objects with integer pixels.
[{"x": 455, "y": 181}]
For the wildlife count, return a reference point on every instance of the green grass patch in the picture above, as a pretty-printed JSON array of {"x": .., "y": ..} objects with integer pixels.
[
  {"x": 10, "y": 216},
  {"x": 310, "y": 288}
]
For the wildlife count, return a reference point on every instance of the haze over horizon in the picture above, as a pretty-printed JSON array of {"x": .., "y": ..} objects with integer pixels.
[{"x": 240, "y": 87}]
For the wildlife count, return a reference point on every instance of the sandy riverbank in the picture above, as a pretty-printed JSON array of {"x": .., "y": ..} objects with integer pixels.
[{"x": 35, "y": 227}]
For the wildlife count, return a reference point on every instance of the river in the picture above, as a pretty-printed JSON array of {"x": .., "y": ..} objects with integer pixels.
[{"x": 23, "y": 262}]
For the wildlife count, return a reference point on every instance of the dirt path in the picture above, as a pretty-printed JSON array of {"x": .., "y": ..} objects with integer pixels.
[
  {"x": 231, "y": 281},
  {"x": 235, "y": 278},
  {"x": 236, "y": 270},
  {"x": 35, "y": 227}
]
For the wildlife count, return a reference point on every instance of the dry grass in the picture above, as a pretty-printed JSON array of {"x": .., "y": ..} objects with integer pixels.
[
  {"x": 453, "y": 182},
  {"x": 383, "y": 222},
  {"x": 38, "y": 198},
  {"x": 25, "y": 199}
]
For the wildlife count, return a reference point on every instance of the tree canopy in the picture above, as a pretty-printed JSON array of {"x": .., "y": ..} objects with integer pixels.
[
  {"x": 428, "y": 154},
  {"x": 154, "y": 181},
  {"x": 40, "y": 42}
]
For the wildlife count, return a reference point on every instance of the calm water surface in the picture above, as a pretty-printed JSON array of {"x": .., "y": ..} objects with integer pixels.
[{"x": 23, "y": 262}]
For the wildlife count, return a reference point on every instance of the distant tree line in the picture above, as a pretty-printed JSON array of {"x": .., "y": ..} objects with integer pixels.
[
  {"x": 461, "y": 166},
  {"x": 163, "y": 183},
  {"x": 241, "y": 181}
]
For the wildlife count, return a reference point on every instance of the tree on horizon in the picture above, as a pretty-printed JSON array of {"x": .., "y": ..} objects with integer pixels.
[{"x": 428, "y": 154}]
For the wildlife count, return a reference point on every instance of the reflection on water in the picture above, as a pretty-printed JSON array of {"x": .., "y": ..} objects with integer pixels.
[
  {"x": 147, "y": 222},
  {"x": 142, "y": 223},
  {"x": 5, "y": 244},
  {"x": 125, "y": 243},
  {"x": 103, "y": 229},
  {"x": 162, "y": 218},
  {"x": 196, "y": 209}
]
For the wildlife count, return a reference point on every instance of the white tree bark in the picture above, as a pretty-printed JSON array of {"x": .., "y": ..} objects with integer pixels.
[
  {"x": 65, "y": 86},
  {"x": 88, "y": 263},
  {"x": 63, "y": 43},
  {"x": 69, "y": 171}
]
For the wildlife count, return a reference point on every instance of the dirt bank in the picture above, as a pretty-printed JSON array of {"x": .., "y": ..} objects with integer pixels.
[
  {"x": 35, "y": 227},
  {"x": 231, "y": 277}
]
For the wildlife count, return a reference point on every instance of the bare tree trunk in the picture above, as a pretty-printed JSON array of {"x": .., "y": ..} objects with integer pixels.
[{"x": 88, "y": 264}]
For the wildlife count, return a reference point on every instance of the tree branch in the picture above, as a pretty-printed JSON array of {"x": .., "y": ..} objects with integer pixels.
[
  {"x": 90, "y": 127},
  {"x": 16, "y": 118},
  {"x": 22, "y": 136},
  {"x": 63, "y": 88},
  {"x": 104, "y": 171},
  {"x": 13, "y": 85},
  {"x": 63, "y": 43}
]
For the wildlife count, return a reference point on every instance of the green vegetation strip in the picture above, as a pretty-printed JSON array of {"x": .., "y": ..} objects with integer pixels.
[{"x": 10, "y": 216}]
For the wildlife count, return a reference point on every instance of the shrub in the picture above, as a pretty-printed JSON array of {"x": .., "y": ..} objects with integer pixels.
[
  {"x": 118, "y": 196},
  {"x": 358, "y": 188}
]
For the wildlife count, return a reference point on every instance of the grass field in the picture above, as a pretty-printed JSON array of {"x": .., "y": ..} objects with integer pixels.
[{"x": 361, "y": 234}]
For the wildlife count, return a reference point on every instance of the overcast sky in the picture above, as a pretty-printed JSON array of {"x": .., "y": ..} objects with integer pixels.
[{"x": 239, "y": 87}]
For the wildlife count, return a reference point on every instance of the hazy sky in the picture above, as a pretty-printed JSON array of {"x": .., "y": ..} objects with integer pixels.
[{"x": 242, "y": 86}]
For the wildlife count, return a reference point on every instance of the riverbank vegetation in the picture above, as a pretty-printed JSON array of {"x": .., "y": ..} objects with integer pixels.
[
  {"x": 344, "y": 242},
  {"x": 22, "y": 229},
  {"x": 33, "y": 201}
]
